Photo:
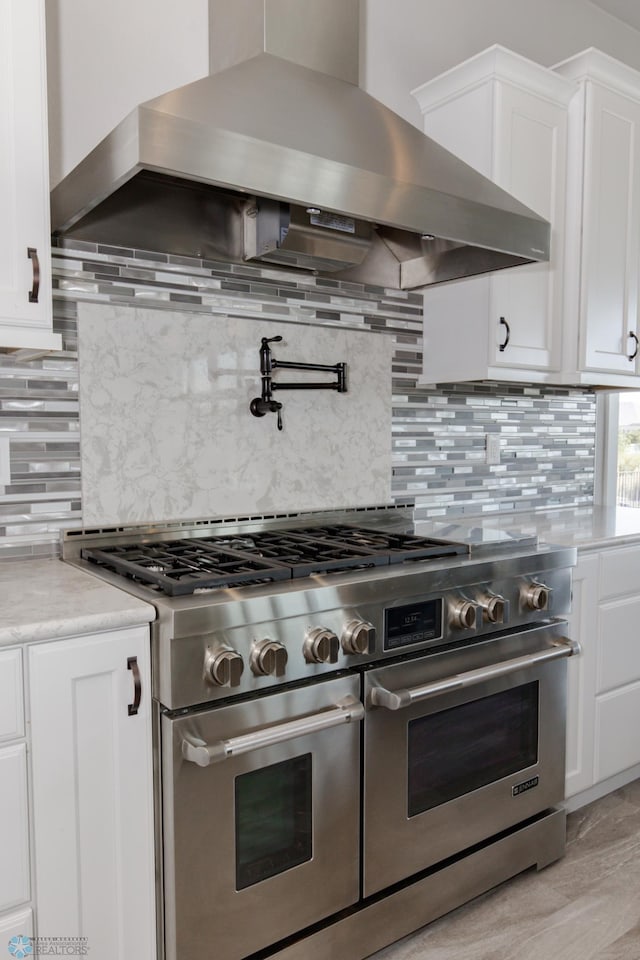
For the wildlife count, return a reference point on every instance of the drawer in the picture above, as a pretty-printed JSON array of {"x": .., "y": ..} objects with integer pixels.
[
  {"x": 618, "y": 644},
  {"x": 14, "y": 827},
  {"x": 11, "y": 698},
  {"x": 16, "y": 924},
  {"x": 620, "y": 572},
  {"x": 617, "y": 744}
]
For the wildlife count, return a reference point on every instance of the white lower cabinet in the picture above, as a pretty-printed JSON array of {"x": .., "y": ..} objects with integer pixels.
[
  {"x": 92, "y": 792},
  {"x": 617, "y": 715},
  {"x": 14, "y": 827},
  {"x": 604, "y": 683},
  {"x": 17, "y": 924},
  {"x": 581, "y": 673},
  {"x": 15, "y": 867}
]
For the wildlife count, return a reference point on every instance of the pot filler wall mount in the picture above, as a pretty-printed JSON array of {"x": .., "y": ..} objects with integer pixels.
[
  {"x": 279, "y": 157},
  {"x": 265, "y": 403}
]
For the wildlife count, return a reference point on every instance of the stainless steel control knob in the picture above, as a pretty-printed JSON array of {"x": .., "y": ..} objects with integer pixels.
[
  {"x": 462, "y": 614},
  {"x": 358, "y": 636},
  {"x": 321, "y": 646},
  {"x": 495, "y": 609},
  {"x": 536, "y": 596},
  {"x": 224, "y": 668},
  {"x": 268, "y": 658}
]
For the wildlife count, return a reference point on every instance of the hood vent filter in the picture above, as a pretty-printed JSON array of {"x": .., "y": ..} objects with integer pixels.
[{"x": 293, "y": 236}]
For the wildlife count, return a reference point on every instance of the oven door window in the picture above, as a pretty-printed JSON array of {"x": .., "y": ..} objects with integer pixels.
[
  {"x": 273, "y": 820},
  {"x": 461, "y": 749}
]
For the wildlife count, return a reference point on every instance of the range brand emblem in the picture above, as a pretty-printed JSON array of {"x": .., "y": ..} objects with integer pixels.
[{"x": 524, "y": 786}]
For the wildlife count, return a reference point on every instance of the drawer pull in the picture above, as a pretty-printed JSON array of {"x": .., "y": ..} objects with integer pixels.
[
  {"x": 507, "y": 335},
  {"x": 132, "y": 708},
  {"x": 32, "y": 254}
]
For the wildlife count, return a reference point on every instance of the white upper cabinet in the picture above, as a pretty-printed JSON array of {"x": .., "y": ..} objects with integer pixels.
[
  {"x": 25, "y": 268},
  {"x": 506, "y": 117},
  {"x": 603, "y": 235}
]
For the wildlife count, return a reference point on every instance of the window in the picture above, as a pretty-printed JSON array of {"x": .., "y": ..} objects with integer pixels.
[
  {"x": 619, "y": 449},
  {"x": 628, "y": 472}
]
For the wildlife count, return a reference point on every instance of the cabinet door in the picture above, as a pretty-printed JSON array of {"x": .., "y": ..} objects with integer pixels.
[
  {"x": 11, "y": 698},
  {"x": 530, "y": 163},
  {"x": 14, "y": 827},
  {"x": 506, "y": 324},
  {"x": 610, "y": 237},
  {"x": 617, "y": 721},
  {"x": 25, "y": 312},
  {"x": 92, "y": 787},
  {"x": 581, "y": 677}
]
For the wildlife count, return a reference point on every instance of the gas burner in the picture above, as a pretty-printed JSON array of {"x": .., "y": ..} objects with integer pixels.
[
  {"x": 182, "y": 567},
  {"x": 396, "y": 547}
]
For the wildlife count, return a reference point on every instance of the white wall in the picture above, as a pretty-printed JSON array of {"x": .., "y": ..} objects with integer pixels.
[
  {"x": 410, "y": 41},
  {"x": 105, "y": 56}
]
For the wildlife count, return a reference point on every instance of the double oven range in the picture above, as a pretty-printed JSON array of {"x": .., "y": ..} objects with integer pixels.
[{"x": 357, "y": 728}]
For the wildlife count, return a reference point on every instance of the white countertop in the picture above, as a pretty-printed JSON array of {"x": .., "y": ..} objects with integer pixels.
[
  {"x": 49, "y": 600},
  {"x": 581, "y": 527}
]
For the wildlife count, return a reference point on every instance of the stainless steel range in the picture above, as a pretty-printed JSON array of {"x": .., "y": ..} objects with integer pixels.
[{"x": 357, "y": 728}]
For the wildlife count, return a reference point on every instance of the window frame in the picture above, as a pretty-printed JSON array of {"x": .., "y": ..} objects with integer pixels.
[{"x": 606, "y": 448}]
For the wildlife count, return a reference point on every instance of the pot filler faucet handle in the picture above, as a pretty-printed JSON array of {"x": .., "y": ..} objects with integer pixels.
[{"x": 259, "y": 407}]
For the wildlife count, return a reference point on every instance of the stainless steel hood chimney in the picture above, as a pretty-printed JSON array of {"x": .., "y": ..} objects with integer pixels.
[{"x": 361, "y": 192}]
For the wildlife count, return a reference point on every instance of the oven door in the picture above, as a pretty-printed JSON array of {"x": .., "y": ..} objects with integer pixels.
[
  {"x": 460, "y": 746},
  {"x": 260, "y": 818}
]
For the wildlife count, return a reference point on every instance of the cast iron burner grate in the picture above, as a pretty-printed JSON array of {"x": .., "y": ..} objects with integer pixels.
[
  {"x": 396, "y": 547},
  {"x": 181, "y": 567}
]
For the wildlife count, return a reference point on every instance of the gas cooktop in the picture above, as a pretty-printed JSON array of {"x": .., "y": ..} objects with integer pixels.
[{"x": 178, "y": 567}]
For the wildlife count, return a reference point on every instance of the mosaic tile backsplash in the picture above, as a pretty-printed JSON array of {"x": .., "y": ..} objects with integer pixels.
[{"x": 547, "y": 435}]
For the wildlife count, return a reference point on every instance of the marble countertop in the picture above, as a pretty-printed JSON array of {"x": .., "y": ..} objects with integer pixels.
[
  {"x": 581, "y": 527},
  {"x": 49, "y": 600}
]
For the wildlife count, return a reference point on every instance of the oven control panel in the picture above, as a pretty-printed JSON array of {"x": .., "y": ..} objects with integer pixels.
[
  {"x": 417, "y": 622},
  {"x": 316, "y": 632}
]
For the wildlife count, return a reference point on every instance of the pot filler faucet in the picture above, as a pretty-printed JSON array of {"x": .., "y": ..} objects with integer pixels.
[{"x": 264, "y": 404}]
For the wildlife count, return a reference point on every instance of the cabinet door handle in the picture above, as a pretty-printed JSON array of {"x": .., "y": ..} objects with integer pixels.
[
  {"x": 635, "y": 346},
  {"x": 507, "y": 334},
  {"x": 32, "y": 254},
  {"x": 132, "y": 708}
]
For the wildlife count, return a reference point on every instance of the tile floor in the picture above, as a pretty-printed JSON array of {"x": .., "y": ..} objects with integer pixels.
[{"x": 584, "y": 907}]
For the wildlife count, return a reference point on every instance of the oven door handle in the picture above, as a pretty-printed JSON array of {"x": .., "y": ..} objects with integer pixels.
[
  {"x": 399, "y": 699},
  {"x": 197, "y": 751}
]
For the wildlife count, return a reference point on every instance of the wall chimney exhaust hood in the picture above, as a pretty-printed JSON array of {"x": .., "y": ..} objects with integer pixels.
[{"x": 359, "y": 192}]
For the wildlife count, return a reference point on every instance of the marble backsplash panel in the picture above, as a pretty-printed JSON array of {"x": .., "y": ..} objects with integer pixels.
[{"x": 166, "y": 431}]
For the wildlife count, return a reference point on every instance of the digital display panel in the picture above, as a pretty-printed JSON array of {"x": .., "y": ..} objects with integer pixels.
[{"x": 414, "y": 623}]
